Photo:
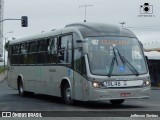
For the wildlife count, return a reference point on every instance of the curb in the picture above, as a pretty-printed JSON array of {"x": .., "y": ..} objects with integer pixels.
[{"x": 155, "y": 88}]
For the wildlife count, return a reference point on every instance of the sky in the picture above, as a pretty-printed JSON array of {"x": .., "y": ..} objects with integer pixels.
[{"x": 45, "y": 15}]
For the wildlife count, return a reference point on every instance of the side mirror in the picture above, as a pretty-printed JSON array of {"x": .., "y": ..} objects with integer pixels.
[
  {"x": 147, "y": 59},
  {"x": 80, "y": 41},
  {"x": 140, "y": 44}
]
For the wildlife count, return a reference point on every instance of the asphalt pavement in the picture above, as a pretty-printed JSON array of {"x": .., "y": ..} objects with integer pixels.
[{"x": 11, "y": 101}]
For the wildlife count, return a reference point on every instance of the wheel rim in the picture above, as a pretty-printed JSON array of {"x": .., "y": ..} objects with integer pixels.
[{"x": 68, "y": 94}]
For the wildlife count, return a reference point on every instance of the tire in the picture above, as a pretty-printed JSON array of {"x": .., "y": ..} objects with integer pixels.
[
  {"x": 67, "y": 97},
  {"x": 21, "y": 89},
  {"x": 117, "y": 102}
]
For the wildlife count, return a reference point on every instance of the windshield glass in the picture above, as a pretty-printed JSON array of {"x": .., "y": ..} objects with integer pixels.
[{"x": 115, "y": 56}]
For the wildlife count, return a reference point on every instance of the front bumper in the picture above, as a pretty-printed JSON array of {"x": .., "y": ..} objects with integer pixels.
[{"x": 97, "y": 94}]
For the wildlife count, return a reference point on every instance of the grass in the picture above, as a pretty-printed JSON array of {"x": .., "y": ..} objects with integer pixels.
[{"x": 2, "y": 69}]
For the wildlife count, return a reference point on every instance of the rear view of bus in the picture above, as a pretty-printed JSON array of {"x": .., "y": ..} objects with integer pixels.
[{"x": 116, "y": 67}]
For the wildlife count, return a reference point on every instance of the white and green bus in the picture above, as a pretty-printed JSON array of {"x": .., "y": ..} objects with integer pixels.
[{"x": 83, "y": 61}]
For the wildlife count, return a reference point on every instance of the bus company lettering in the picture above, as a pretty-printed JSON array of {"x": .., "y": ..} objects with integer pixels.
[
  {"x": 52, "y": 70},
  {"x": 116, "y": 42}
]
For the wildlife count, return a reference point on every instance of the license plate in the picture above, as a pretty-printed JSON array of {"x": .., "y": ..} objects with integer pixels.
[
  {"x": 113, "y": 83},
  {"x": 124, "y": 83}
]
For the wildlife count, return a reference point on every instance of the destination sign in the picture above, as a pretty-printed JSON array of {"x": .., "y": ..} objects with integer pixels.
[{"x": 116, "y": 42}]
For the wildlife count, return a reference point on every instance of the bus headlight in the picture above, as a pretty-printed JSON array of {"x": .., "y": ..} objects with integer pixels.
[
  {"x": 146, "y": 83},
  {"x": 97, "y": 85}
]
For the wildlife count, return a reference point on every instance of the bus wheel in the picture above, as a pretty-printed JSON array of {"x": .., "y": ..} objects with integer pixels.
[
  {"x": 117, "y": 102},
  {"x": 67, "y": 97},
  {"x": 21, "y": 89}
]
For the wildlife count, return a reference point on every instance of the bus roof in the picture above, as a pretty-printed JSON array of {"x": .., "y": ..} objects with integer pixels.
[
  {"x": 84, "y": 30},
  {"x": 99, "y": 29}
]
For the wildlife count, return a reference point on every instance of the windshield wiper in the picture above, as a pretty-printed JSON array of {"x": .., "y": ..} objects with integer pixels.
[
  {"x": 129, "y": 65},
  {"x": 115, "y": 55},
  {"x": 124, "y": 61},
  {"x": 112, "y": 63},
  {"x": 111, "y": 67}
]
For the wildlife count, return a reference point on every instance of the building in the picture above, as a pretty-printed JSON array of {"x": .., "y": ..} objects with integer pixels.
[
  {"x": 1, "y": 29},
  {"x": 152, "y": 46},
  {"x": 153, "y": 53}
]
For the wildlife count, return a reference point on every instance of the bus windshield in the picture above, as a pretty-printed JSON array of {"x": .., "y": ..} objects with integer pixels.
[{"x": 113, "y": 56}]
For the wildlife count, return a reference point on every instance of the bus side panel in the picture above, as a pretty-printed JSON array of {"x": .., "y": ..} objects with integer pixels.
[
  {"x": 78, "y": 85},
  {"x": 14, "y": 70},
  {"x": 26, "y": 74},
  {"x": 41, "y": 78},
  {"x": 56, "y": 75},
  {"x": 29, "y": 78},
  {"x": 51, "y": 80},
  {"x": 9, "y": 75}
]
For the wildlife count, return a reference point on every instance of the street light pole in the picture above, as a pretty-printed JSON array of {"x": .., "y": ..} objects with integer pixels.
[
  {"x": 85, "y": 6},
  {"x": 122, "y": 23}
]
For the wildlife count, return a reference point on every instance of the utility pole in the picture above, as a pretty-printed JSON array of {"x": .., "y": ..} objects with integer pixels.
[
  {"x": 85, "y": 6},
  {"x": 122, "y": 23},
  {"x": 1, "y": 28}
]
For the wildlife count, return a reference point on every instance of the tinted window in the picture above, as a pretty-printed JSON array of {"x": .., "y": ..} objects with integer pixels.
[
  {"x": 15, "y": 52},
  {"x": 15, "y": 49},
  {"x": 65, "y": 50},
  {"x": 32, "y": 47},
  {"x": 65, "y": 42},
  {"x": 52, "y": 51},
  {"x": 23, "y": 48},
  {"x": 32, "y": 53},
  {"x": 23, "y": 53}
]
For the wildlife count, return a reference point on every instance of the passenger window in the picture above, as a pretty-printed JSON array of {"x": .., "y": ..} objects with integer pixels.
[
  {"x": 52, "y": 44},
  {"x": 65, "y": 42},
  {"x": 23, "y": 48},
  {"x": 32, "y": 53},
  {"x": 65, "y": 50},
  {"x": 14, "y": 56},
  {"x": 23, "y": 53},
  {"x": 32, "y": 47},
  {"x": 15, "y": 49},
  {"x": 42, "y": 45},
  {"x": 52, "y": 51}
]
